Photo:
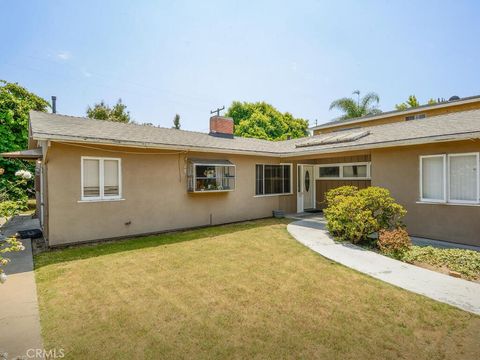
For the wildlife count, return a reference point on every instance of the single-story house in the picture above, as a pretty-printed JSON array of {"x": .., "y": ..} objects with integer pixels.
[{"x": 102, "y": 180}]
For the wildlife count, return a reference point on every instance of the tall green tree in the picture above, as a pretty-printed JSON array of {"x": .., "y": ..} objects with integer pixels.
[
  {"x": 361, "y": 106},
  {"x": 15, "y": 105},
  {"x": 176, "y": 122},
  {"x": 102, "y": 111},
  {"x": 263, "y": 121},
  {"x": 412, "y": 102}
]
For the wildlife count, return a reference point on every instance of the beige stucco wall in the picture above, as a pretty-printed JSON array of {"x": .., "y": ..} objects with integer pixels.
[
  {"x": 156, "y": 199},
  {"x": 398, "y": 170},
  {"x": 155, "y": 194}
]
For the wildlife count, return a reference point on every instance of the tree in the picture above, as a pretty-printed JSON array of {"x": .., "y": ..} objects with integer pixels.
[
  {"x": 102, "y": 111},
  {"x": 15, "y": 104},
  {"x": 412, "y": 102},
  {"x": 176, "y": 122},
  {"x": 353, "y": 108},
  {"x": 263, "y": 121}
]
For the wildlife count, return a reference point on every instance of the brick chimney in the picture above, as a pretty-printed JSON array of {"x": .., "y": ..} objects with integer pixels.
[{"x": 221, "y": 126}]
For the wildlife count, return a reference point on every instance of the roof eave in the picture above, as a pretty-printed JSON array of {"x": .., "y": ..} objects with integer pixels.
[
  {"x": 147, "y": 145},
  {"x": 281, "y": 154}
]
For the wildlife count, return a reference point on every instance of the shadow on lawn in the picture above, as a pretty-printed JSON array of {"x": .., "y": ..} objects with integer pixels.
[{"x": 85, "y": 251}]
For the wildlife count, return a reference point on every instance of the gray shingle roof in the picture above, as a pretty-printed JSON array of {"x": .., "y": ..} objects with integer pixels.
[
  {"x": 458, "y": 125},
  {"x": 55, "y": 126},
  {"x": 335, "y": 122}
]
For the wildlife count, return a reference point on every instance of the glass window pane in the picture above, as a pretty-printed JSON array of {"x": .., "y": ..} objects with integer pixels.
[
  {"x": 273, "y": 179},
  {"x": 111, "y": 178},
  {"x": 330, "y": 171},
  {"x": 299, "y": 176},
  {"x": 286, "y": 179},
  {"x": 463, "y": 178},
  {"x": 355, "y": 171},
  {"x": 259, "y": 180},
  {"x": 91, "y": 178},
  {"x": 432, "y": 178}
]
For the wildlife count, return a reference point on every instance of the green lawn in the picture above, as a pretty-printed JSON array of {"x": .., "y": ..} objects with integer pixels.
[{"x": 239, "y": 291}]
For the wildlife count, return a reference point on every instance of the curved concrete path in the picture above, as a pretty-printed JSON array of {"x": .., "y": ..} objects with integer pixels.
[{"x": 457, "y": 292}]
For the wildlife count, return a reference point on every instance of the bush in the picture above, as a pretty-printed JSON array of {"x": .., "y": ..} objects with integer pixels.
[
  {"x": 385, "y": 210},
  {"x": 349, "y": 220},
  {"x": 353, "y": 214},
  {"x": 394, "y": 243},
  {"x": 10, "y": 208},
  {"x": 335, "y": 195},
  {"x": 466, "y": 262}
]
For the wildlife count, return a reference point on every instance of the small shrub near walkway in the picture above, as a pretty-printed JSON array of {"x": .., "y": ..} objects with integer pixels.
[{"x": 394, "y": 243}]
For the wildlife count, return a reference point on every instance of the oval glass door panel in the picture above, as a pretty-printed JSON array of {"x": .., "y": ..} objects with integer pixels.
[{"x": 307, "y": 181}]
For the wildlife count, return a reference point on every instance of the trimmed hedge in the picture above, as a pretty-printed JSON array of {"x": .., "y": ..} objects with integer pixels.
[{"x": 353, "y": 214}]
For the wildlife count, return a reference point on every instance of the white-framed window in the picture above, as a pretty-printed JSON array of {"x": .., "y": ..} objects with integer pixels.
[
  {"x": 273, "y": 179},
  {"x": 344, "y": 171},
  {"x": 101, "y": 178},
  {"x": 463, "y": 178},
  {"x": 433, "y": 169},
  {"x": 450, "y": 178}
]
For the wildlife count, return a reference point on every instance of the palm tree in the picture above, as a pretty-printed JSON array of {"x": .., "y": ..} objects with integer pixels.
[{"x": 367, "y": 105}]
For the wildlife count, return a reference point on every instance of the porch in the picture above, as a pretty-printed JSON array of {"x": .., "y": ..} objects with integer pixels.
[{"x": 316, "y": 176}]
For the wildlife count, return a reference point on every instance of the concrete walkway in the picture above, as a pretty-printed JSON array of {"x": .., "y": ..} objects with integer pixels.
[
  {"x": 457, "y": 292},
  {"x": 19, "y": 316}
]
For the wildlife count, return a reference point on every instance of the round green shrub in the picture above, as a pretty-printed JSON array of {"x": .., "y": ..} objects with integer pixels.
[{"x": 353, "y": 214}]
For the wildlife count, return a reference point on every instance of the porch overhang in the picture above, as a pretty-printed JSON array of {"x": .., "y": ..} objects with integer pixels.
[{"x": 30, "y": 154}]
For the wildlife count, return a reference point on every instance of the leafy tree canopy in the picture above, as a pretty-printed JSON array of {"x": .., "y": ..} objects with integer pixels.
[
  {"x": 263, "y": 121},
  {"x": 361, "y": 106},
  {"x": 412, "y": 102},
  {"x": 15, "y": 104},
  {"x": 102, "y": 111}
]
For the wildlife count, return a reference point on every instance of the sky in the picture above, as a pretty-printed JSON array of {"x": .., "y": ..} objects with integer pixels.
[{"x": 189, "y": 57}]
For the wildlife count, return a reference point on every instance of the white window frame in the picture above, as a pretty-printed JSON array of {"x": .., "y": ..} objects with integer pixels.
[
  {"x": 101, "y": 182},
  {"x": 446, "y": 180},
  {"x": 278, "y": 194},
  {"x": 449, "y": 156},
  {"x": 341, "y": 165},
  {"x": 444, "y": 157}
]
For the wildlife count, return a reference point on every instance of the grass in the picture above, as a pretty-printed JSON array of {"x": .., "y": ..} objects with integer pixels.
[{"x": 238, "y": 291}]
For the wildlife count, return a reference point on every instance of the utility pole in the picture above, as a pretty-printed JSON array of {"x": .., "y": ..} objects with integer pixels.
[{"x": 218, "y": 110}]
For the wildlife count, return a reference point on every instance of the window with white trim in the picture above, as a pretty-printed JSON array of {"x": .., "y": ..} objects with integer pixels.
[
  {"x": 345, "y": 171},
  {"x": 452, "y": 178},
  {"x": 101, "y": 178},
  {"x": 432, "y": 183},
  {"x": 463, "y": 178},
  {"x": 273, "y": 179}
]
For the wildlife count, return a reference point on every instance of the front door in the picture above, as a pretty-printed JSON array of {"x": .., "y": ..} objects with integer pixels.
[{"x": 308, "y": 185}]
